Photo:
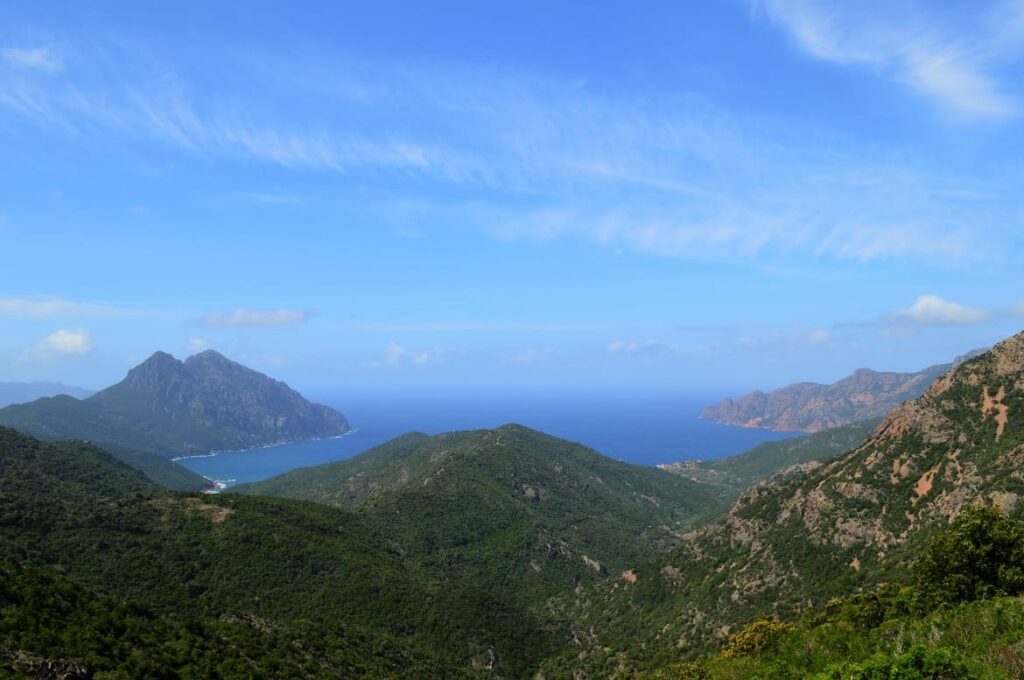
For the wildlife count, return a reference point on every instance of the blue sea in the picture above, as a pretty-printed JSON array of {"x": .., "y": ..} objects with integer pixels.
[{"x": 645, "y": 429}]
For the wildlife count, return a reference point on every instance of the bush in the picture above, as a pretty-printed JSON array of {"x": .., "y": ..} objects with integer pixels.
[
  {"x": 919, "y": 663},
  {"x": 980, "y": 555},
  {"x": 757, "y": 638}
]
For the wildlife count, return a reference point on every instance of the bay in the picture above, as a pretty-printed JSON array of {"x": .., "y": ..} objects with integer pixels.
[{"x": 644, "y": 428}]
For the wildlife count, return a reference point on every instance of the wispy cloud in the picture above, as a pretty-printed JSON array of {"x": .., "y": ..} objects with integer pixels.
[
  {"x": 955, "y": 65},
  {"x": 241, "y": 318},
  {"x": 47, "y": 307},
  {"x": 396, "y": 355},
  {"x": 35, "y": 58},
  {"x": 472, "y": 327},
  {"x": 932, "y": 310},
  {"x": 546, "y": 158}
]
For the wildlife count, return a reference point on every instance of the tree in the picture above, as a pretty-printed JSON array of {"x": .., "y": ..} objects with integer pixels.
[{"x": 979, "y": 555}]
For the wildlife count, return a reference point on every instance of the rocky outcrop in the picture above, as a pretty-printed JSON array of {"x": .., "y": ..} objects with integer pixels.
[{"x": 812, "y": 407}]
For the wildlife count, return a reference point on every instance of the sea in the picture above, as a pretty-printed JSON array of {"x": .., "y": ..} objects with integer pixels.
[{"x": 645, "y": 429}]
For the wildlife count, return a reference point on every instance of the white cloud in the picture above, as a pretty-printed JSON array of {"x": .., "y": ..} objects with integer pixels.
[
  {"x": 953, "y": 65},
  {"x": 254, "y": 318},
  {"x": 65, "y": 342},
  {"x": 818, "y": 336},
  {"x": 36, "y": 58},
  {"x": 44, "y": 307},
  {"x": 932, "y": 310},
  {"x": 397, "y": 355},
  {"x": 197, "y": 344},
  {"x": 1017, "y": 309}
]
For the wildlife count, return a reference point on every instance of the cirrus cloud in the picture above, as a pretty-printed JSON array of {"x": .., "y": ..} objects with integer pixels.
[
  {"x": 35, "y": 58},
  {"x": 242, "y": 318}
]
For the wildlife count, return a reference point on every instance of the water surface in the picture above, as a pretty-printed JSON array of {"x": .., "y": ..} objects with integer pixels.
[{"x": 646, "y": 429}]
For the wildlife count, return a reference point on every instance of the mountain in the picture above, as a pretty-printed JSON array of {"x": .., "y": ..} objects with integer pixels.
[
  {"x": 733, "y": 474},
  {"x": 531, "y": 515},
  {"x": 811, "y": 407},
  {"x": 17, "y": 393},
  {"x": 854, "y": 522},
  {"x": 179, "y": 408}
]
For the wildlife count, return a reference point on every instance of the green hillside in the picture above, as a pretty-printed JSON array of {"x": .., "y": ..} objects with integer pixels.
[
  {"x": 70, "y": 508},
  {"x": 526, "y": 513},
  {"x": 51, "y": 627}
]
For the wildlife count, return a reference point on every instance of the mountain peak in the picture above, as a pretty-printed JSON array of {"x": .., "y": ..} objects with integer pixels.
[
  {"x": 206, "y": 403},
  {"x": 208, "y": 355}
]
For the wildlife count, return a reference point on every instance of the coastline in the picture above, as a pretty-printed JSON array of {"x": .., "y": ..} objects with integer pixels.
[{"x": 212, "y": 454}]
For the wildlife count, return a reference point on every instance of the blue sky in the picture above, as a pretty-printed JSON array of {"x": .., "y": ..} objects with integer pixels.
[{"x": 711, "y": 195}]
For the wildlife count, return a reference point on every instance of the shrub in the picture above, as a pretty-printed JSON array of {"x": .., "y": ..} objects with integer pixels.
[
  {"x": 980, "y": 555},
  {"x": 919, "y": 663},
  {"x": 759, "y": 637}
]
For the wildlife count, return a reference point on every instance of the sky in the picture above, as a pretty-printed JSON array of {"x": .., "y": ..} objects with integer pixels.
[{"x": 715, "y": 195}]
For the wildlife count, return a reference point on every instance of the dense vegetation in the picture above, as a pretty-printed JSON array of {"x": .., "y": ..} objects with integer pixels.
[
  {"x": 957, "y": 619},
  {"x": 71, "y": 508},
  {"x": 530, "y": 515},
  {"x": 51, "y": 627}
]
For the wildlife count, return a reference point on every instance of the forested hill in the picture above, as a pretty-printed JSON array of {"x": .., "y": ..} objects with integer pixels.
[
  {"x": 529, "y": 514},
  {"x": 284, "y": 567}
]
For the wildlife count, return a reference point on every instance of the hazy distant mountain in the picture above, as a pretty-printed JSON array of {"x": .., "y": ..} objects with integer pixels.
[
  {"x": 811, "y": 407},
  {"x": 177, "y": 408},
  {"x": 18, "y": 393}
]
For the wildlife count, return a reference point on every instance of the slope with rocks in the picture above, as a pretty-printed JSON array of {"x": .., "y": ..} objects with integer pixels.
[{"x": 831, "y": 528}]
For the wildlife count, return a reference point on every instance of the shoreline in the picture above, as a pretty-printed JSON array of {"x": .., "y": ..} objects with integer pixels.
[{"x": 212, "y": 454}]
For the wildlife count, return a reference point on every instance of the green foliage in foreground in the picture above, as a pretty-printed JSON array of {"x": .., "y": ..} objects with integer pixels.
[
  {"x": 51, "y": 627},
  {"x": 981, "y": 555},
  {"x": 958, "y": 621}
]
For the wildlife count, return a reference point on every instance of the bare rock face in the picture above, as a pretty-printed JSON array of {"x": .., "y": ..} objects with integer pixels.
[{"x": 812, "y": 407}]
